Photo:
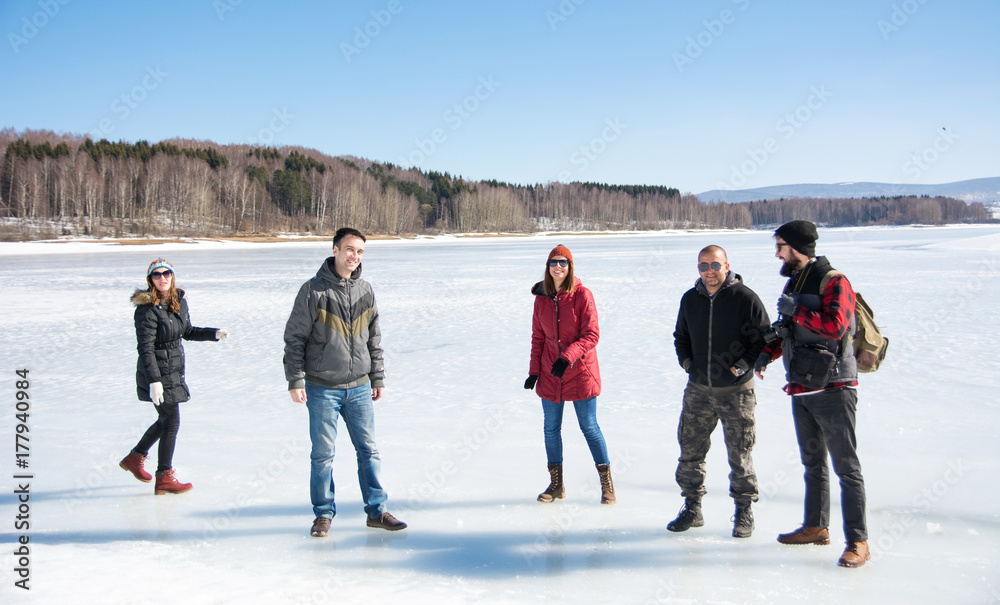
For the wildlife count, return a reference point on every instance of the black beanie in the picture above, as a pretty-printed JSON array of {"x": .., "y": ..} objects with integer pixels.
[{"x": 800, "y": 235}]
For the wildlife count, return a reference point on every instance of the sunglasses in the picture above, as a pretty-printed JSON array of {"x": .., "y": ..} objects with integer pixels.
[
  {"x": 778, "y": 247},
  {"x": 562, "y": 262},
  {"x": 161, "y": 274},
  {"x": 716, "y": 266}
]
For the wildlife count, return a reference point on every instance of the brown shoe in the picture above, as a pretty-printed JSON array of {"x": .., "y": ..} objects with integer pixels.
[
  {"x": 386, "y": 521},
  {"x": 320, "y": 528},
  {"x": 556, "y": 489},
  {"x": 133, "y": 464},
  {"x": 607, "y": 486},
  {"x": 806, "y": 535},
  {"x": 855, "y": 555},
  {"x": 167, "y": 483}
]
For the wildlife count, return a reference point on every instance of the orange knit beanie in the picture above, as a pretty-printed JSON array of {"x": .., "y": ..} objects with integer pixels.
[{"x": 561, "y": 250}]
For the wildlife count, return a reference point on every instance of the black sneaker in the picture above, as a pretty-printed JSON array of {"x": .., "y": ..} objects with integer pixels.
[
  {"x": 743, "y": 521},
  {"x": 386, "y": 521},
  {"x": 320, "y": 528},
  {"x": 690, "y": 516}
]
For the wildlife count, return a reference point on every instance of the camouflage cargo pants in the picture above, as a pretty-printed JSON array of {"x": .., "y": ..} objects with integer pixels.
[{"x": 700, "y": 414}]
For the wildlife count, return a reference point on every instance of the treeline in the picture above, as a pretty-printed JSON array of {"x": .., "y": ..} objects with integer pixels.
[
  {"x": 66, "y": 185},
  {"x": 847, "y": 212}
]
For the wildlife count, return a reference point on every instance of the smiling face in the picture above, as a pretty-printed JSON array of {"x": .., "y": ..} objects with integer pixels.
[
  {"x": 347, "y": 255},
  {"x": 162, "y": 279},
  {"x": 559, "y": 271},
  {"x": 710, "y": 276}
]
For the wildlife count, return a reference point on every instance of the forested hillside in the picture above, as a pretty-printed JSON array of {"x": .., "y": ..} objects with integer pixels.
[{"x": 52, "y": 184}]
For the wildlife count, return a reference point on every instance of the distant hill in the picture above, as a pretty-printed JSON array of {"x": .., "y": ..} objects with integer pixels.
[
  {"x": 984, "y": 191},
  {"x": 54, "y": 185}
]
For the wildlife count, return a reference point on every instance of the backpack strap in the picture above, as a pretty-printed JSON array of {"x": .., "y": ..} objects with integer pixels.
[{"x": 826, "y": 280}]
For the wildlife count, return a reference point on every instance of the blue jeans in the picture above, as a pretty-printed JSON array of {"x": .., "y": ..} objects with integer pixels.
[
  {"x": 586, "y": 415},
  {"x": 358, "y": 410}
]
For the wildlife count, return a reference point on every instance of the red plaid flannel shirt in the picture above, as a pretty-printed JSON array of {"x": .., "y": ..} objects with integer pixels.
[{"x": 832, "y": 322}]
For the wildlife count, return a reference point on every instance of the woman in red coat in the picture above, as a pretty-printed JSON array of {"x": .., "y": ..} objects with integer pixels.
[{"x": 564, "y": 334}]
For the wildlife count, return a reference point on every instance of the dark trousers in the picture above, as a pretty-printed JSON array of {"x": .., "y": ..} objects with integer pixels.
[
  {"x": 824, "y": 423},
  {"x": 163, "y": 430},
  {"x": 700, "y": 414}
]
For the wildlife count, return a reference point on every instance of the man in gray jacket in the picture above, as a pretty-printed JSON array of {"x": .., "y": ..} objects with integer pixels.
[{"x": 333, "y": 364}]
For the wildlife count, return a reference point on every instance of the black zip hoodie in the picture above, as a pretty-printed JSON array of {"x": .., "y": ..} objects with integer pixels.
[{"x": 717, "y": 332}]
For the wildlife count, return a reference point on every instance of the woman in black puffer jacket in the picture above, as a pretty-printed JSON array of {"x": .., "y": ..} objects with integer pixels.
[{"x": 161, "y": 321}]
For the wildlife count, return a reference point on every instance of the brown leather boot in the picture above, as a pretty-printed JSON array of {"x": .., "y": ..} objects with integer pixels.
[
  {"x": 607, "y": 487},
  {"x": 168, "y": 484},
  {"x": 133, "y": 464},
  {"x": 806, "y": 535},
  {"x": 855, "y": 554},
  {"x": 556, "y": 489}
]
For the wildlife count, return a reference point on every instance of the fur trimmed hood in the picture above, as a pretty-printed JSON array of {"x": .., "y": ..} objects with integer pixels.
[{"x": 145, "y": 297}]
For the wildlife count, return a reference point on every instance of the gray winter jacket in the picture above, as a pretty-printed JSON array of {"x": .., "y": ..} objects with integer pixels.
[{"x": 332, "y": 335}]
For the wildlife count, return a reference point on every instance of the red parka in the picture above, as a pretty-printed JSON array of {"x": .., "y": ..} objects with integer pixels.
[{"x": 565, "y": 326}]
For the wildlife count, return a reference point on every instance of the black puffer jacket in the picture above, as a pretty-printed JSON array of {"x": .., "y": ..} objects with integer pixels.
[
  {"x": 716, "y": 333},
  {"x": 158, "y": 334}
]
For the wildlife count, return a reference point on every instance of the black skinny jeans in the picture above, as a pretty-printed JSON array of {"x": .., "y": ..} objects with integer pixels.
[{"x": 164, "y": 430}]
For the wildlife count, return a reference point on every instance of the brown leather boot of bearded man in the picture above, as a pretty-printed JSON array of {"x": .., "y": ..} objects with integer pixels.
[
  {"x": 806, "y": 535},
  {"x": 855, "y": 555}
]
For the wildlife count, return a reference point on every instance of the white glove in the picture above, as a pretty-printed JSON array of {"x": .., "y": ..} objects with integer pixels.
[
  {"x": 156, "y": 392},
  {"x": 221, "y": 334}
]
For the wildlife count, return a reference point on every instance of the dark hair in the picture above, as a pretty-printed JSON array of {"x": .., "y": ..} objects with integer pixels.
[
  {"x": 347, "y": 231},
  {"x": 568, "y": 285}
]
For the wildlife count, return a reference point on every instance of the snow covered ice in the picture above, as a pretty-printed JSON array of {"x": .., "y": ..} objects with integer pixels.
[{"x": 461, "y": 440}]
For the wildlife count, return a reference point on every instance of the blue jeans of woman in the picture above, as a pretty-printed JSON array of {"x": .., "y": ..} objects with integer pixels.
[
  {"x": 586, "y": 415},
  {"x": 355, "y": 405}
]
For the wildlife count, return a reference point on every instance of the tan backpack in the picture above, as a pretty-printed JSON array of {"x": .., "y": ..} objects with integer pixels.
[{"x": 869, "y": 344}]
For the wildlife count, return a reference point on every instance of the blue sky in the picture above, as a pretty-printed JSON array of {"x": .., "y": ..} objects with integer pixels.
[{"x": 692, "y": 95}]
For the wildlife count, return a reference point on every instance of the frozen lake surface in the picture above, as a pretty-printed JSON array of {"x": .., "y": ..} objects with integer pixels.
[{"x": 461, "y": 441}]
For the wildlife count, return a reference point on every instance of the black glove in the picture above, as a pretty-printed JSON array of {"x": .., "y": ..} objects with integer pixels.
[
  {"x": 787, "y": 305},
  {"x": 559, "y": 367},
  {"x": 530, "y": 382},
  {"x": 762, "y": 360}
]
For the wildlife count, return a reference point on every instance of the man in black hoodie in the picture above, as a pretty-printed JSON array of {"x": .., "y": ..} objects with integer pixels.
[{"x": 718, "y": 338}]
